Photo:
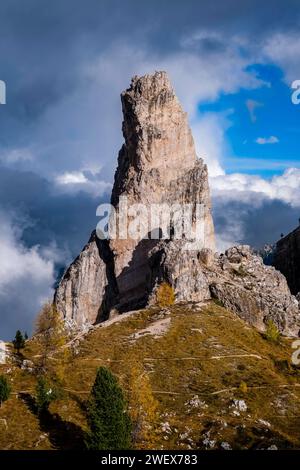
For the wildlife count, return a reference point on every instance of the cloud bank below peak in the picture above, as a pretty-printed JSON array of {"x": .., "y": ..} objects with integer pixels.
[
  {"x": 26, "y": 277},
  {"x": 253, "y": 210}
]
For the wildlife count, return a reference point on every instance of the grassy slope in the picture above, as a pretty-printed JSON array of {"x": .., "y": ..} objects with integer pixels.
[{"x": 206, "y": 352}]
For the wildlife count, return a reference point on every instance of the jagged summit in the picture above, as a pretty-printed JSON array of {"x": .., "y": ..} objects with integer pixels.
[
  {"x": 150, "y": 85},
  {"x": 158, "y": 141}
]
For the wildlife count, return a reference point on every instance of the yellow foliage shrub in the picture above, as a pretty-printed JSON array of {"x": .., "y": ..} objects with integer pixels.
[
  {"x": 243, "y": 387},
  {"x": 272, "y": 333},
  {"x": 52, "y": 336},
  {"x": 165, "y": 295}
]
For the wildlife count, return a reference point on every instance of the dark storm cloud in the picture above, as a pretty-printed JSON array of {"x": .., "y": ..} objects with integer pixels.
[
  {"x": 55, "y": 226},
  {"x": 253, "y": 224},
  {"x": 45, "y": 216},
  {"x": 42, "y": 44}
]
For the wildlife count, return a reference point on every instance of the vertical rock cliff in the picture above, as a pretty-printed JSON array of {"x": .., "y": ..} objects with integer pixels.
[
  {"x": 287, "y": 259},
  {"x": 156, "y": 165}
]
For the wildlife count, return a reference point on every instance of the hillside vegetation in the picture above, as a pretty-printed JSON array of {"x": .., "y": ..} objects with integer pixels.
[{"x": 208, "y": 380}]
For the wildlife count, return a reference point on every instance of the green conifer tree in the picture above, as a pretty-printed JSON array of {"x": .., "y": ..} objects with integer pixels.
[
  {"x": 19, "y": 341},
  {"x": 5, "y": 389},
  {"x": 44, "y": 395},
  {"x": 109, "y": 423}
]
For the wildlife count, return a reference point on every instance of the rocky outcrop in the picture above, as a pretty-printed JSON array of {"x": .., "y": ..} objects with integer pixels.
[
  {"x": 157, "y": 166},
  {"x": 3, "y": 352},
  {"x": 256, "y": 292},
  {"x": 287, "y": 259},
  {"x": 86, "y": 290},
  {"x": 238, "y": 280},
  {"x": 182, "y": 268}
]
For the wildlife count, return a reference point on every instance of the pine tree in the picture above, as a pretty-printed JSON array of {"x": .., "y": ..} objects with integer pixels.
[
  {"x": 5, "y": 389},
  {"x": 109, "y": 423},
  {"x": 19, "y": 341},
  {"x": 44, "y": 395}
]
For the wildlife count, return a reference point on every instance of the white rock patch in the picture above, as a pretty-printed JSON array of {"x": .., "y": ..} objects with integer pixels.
[{"x": 156, "y": 329}]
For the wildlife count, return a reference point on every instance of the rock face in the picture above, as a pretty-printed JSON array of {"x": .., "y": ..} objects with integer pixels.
[
  {"x": 85, "y": 285},
  {"x": 238, "y": 279},
  {"x": 287, "y": 259},
  {"x": 256, "y": 292},
  {"x": 3, "y": 352},
  {"x": 157, "y": 165}
]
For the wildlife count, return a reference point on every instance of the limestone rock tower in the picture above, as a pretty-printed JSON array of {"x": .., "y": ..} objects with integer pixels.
[{"x": 157, "y": 164}]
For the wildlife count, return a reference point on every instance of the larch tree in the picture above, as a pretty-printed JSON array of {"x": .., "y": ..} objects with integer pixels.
[
  {"x": 52, "y": 336},
  {"x": 143, "y": 407}
]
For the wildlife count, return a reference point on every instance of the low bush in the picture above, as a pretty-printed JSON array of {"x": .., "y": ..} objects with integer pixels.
[
  {"x": 272, "y": 333},
  {"x": 165, "y": 295}
]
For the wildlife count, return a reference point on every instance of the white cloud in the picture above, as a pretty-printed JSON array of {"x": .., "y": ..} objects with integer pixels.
[
  {"x": 210, "y": 142},
  {"x": 222, "y": 73},
  {"x": 18, "y": 261},
  {"x": 285, "y": 187},
  {"x": 75, "y": 177},
  {"x": 250, "y": 164},
  {"x": 267, "y": 140},
  {"x": 196, "y": 78},
  {"x": 239, "y": 198},
  {"x": 283, "y": 49},
  {"x": 16, "y": 155},
  {"x": 26, "y": 278},
  {"x": 225, "y": 71},
  {"x": 87, "y": 180}
]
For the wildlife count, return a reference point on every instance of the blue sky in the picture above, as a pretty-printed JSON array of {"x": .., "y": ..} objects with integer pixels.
[
  {"x": 65, "y": 64},
  {"x": 274, "y": 115}
]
